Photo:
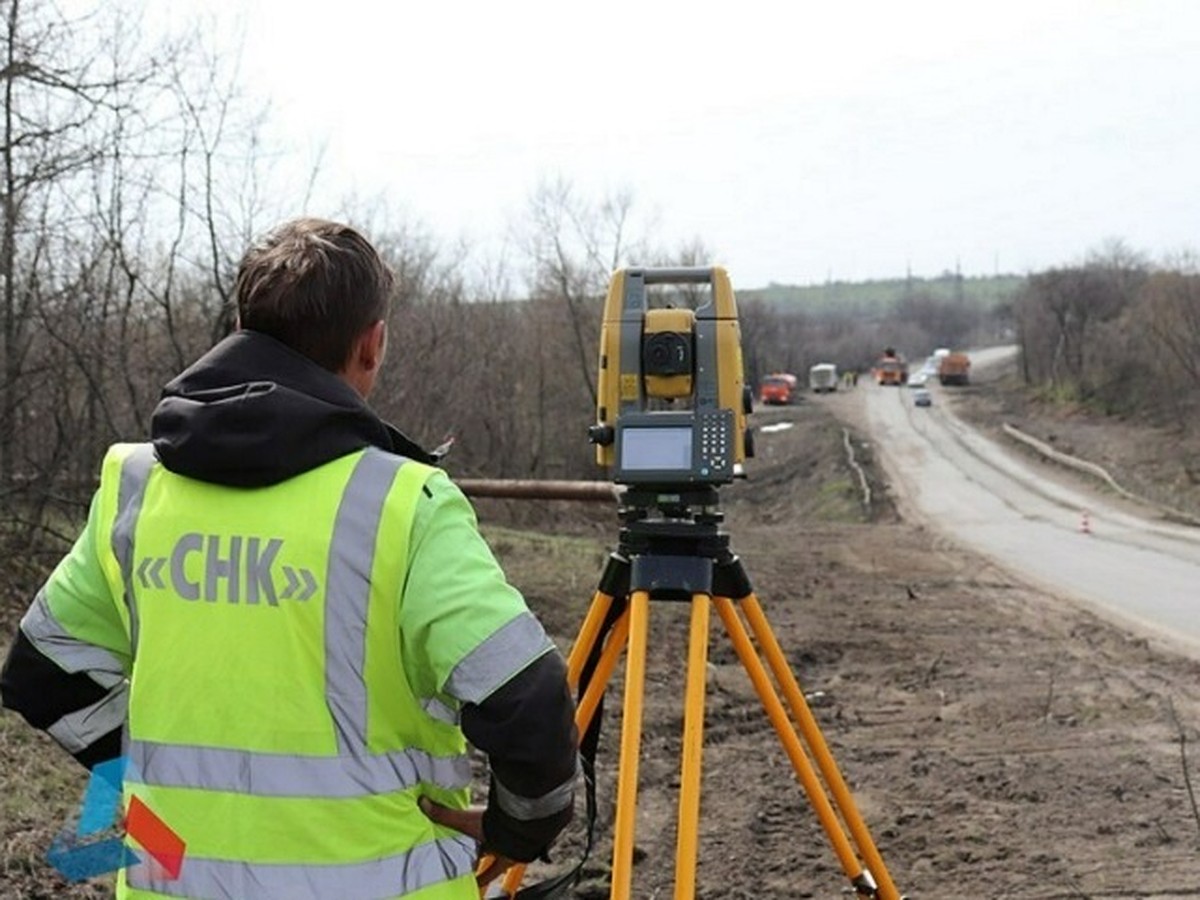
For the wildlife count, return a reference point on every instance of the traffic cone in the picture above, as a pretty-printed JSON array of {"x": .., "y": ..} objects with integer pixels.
[{"x": 1085, "y": 524}]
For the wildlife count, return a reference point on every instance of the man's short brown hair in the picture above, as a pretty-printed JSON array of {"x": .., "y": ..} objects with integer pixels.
[{"x": 313, "y": 285}]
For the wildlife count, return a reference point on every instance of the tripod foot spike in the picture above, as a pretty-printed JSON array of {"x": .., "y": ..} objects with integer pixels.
[{"x": 864, "y": 885}]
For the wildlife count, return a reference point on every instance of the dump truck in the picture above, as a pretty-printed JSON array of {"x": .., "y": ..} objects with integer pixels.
[
  {"x": 953, "y": 368},
  {"x": 891, "y": 368},
  {"x": 778, "y": 389},
  {"x": 823, "y": 377}
]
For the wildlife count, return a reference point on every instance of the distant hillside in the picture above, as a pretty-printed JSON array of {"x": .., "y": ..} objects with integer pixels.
[{"x": 864, "y": 295}]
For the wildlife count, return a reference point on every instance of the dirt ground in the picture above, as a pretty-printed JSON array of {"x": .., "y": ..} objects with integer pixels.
[{"x": 999, "y": 742}]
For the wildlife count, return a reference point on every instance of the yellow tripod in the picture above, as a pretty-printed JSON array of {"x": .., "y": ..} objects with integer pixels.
[{"x": 684, "y": 556}]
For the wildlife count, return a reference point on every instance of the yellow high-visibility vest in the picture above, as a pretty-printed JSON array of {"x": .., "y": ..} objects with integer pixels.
[{"x": 273, "y": 724}]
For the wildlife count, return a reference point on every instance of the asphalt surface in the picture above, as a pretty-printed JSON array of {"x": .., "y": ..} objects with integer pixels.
[{"x": 1132, "y": 566}]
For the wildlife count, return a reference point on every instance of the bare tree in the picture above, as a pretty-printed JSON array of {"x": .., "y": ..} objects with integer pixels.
[
  {"x": 1068, "y": 320},
  {"x": 1168, "y": 312},
  {"x": 54, "y": 92},
  {"x": 573, "y": 246},
  {"x": 132, "y": 177}
]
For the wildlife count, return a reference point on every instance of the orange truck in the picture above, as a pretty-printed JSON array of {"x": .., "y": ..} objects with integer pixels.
[
  {"x": 953, "y": 368},
  {"x": 778, "y": 389},
  {"x": 891, "y": 368}
]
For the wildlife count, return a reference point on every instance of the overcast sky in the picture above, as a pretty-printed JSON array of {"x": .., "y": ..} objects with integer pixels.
[{"x": 800, "y": 141}]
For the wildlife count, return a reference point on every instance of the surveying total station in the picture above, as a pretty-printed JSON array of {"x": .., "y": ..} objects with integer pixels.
[
  {"x": 671, "y": 427},
  {"x": 672, "y": 356}
]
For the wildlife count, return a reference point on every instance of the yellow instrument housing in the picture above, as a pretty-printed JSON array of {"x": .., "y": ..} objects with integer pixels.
[{"x": 717, "y": 379}]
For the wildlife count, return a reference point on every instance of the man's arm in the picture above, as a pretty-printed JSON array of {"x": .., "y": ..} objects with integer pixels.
[
  {"x": 527, "y": 728},
  {"x": 473, "y": 629},
  {"x": 67, "y": 669}
]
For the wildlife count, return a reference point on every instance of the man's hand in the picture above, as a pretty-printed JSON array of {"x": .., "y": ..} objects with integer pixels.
[{"x": 470, "y": 823}]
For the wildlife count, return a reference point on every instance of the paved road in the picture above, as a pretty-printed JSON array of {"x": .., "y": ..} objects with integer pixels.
[{"x": 1136, "y": 569}]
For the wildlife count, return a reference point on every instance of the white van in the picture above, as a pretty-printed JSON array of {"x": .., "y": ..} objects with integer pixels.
[{"x": 823, "y": 377}]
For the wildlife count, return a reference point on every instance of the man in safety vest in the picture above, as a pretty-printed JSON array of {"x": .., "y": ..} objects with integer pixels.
[{"x": 285, "y": 621}]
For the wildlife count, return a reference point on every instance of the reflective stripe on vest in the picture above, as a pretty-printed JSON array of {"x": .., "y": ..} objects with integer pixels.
[
  {"x": 277, "y": 775},
  {"x": 353, "y": 773},
  {"x": 351, "y": 558},
  {"x": 497, "y": 659},
  {"x": 553, "y": 801},
  {"x": 68, "y": 652},
  {"x": 77, "y": 730},
  {"x": 135, "y": 474},
  {"x": 423, "y": 866}
]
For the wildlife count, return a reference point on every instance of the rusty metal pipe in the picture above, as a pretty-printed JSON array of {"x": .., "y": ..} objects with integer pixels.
[{"x": 530, "y": 489}]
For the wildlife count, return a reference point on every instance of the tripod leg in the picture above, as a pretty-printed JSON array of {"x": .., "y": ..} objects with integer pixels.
[
  {"x": 693, "y": 748},
  {"x": 791, "y": 744},
  {"x": 631, "y": 738},
  {"x": 586, "y": 638},
  {"x": 811, "y": 732},
  {"x": 604, "y": 669}
]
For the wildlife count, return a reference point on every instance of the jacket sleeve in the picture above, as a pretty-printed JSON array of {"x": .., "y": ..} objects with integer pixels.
[
  {"x": 529, "y": 726},
  {"x": 67, "y": 669},
  {"x": 464, "y": 625}
]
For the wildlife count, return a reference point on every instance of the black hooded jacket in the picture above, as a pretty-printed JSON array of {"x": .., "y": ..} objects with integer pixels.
[{"x": 253, "y": 412}]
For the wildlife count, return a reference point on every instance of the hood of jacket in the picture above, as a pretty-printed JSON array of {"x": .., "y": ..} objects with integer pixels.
[{"x": 253, "y": 412}]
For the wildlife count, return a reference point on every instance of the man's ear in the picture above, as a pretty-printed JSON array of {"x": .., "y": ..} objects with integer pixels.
[
  {"x": 366, "y": 358},
  {"x": 372, "y": 346}
]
